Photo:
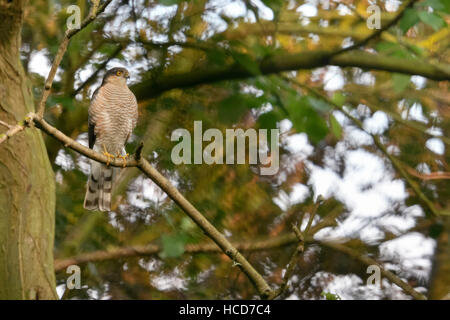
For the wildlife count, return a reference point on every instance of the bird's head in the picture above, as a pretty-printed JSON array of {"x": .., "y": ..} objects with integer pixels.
[{"x": 116, "y": 76}]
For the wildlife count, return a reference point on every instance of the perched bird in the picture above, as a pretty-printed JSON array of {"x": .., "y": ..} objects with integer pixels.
[{"x": 113, "y": 114}]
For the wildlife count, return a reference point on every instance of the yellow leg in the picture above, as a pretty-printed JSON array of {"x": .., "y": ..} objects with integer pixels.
[
  {"x": 109, "y": 155},
  {"x": 124, "y": 158}
]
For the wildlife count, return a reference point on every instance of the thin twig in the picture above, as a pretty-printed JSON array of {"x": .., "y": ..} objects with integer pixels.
[
  {"x": 301, "y": 236},
  {"x": 5, "y": 124},
  {"x": 11, "y": 132},
  {"x": 429, "y": 176},
  {"x": 96, "y": 9}
]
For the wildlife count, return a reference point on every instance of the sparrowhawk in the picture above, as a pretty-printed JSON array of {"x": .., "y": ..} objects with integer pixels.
[{"x": 113, "y": 114}]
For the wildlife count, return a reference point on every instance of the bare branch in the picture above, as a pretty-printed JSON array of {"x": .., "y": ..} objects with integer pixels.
[
  {"x": 429, "y": 176},
  {"x": 12, "y": 131},
  {"x": 258, "y": 281},
  {"x": 96, "y": 9}
]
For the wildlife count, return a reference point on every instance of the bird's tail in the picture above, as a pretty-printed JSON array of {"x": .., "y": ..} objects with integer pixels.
[{"x": 99, "y": 187}]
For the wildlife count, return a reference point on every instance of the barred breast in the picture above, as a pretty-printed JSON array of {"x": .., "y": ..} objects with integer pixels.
[{"x": 114, "y": 111}]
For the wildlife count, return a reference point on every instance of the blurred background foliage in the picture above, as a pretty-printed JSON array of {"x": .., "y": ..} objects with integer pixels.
[{"x": 171, "y": 37}]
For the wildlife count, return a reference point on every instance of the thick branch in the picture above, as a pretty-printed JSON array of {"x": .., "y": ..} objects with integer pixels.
[{"x": 288, "y": 62}]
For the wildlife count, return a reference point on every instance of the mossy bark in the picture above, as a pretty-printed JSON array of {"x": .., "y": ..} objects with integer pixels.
[{"x": 27, "y": 184}]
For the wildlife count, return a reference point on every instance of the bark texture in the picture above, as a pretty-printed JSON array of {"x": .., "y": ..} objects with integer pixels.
[
  {"x": 440, "y": 275},
  {"x": 27, "y": 187}
]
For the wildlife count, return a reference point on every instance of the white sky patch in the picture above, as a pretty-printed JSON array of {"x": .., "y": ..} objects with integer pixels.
[
  {"x": 435, "y": 131},
  {"x": 215, "y": 24},
  {"x": 412, "y": 252},
  {"x": 419, "y": 82},
  {"x": 344, "y": 10},
  {"x": 334, "y": 79},
  {"x": 415, "y": 112},
  {"x": 170, "y": 281},
  {"x": 307, "y": 10},
  {"x": 363, "y": 78},
  {"x": 60, "y": 290},
  {"x": 64, "y": 160},
  {"x": 298, "y": 194},
  {"x": 285, "y": 125},
  {"x": 142, "y": 191},
  {"x": 264, "y": 12},
  {"x": 323, "y": 180},
  {"x": 377, "y": 123},
  {"x": 436, "y": 145},
  {"x": 349, "y": 287},
  {"x": 392, "y": 5},
  {"x": 357, "y": 137},
  {"x": 40, "y": 64}
]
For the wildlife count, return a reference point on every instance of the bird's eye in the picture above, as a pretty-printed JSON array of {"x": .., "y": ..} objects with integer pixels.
[{"x": 119, "y": 73}]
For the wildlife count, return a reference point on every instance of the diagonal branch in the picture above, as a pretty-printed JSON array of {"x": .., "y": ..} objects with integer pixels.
[{"x": 257, "y": 280}]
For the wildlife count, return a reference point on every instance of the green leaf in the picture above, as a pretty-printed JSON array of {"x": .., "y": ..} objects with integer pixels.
[
  {"x": 306, "y": 118},
  {"x": 330, "y": 296},
  {"x": 247, "y": 62},
  {"x": 336, "y": 127},
  {"x": 409, "y": 19},
  {"x": 432, "y": 19},
  {"x": 173, "y": 245},
  {"x": 338, "y": 98},
  {"x": 216, "y": 57},
  {"x": 438, "y": 5},
  {"x": 269, "y": 121},
  {"x": 187, "y": 224},
  {"x": 169, "y": 2},
  {"x": 233, "y": 108},
  {"x": 319, "y": 104},
  {"x": 400, "y": 82},
  {"x": 393, "y": 49}
]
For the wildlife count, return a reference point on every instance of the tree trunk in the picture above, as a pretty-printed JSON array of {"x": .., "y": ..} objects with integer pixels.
[
  {"x": 27, "y": 187},
  {"x": 440, "y": 276}
]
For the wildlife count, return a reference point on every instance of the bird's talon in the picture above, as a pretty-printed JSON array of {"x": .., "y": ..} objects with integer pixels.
[
  {"x": 108, "y": 155},
  {"x": 124, "y": 159}
]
